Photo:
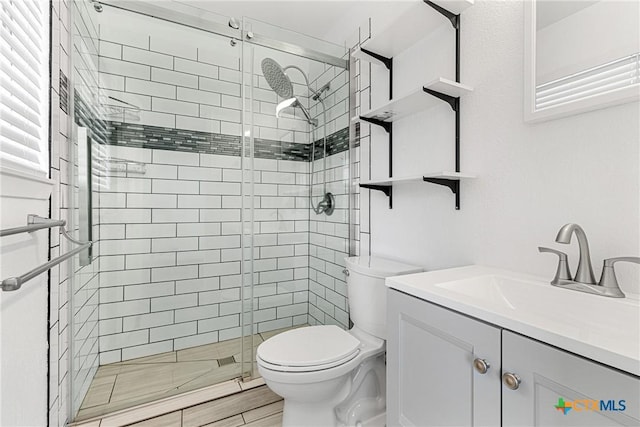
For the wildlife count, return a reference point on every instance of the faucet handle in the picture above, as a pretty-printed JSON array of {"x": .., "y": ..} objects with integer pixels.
[
  {"x": 608, "y": 278},
  {"x": 562, "y": 273}
]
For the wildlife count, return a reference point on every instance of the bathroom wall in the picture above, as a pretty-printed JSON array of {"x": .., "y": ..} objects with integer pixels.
[
  {"x": 59, "y": 276},
  {"x": 87, "y": 110},
  {"x": 171, "y": 251},
  {"x": 58, "y": 295},
  {"x": 73, "y": 322},
  {"x": 329, "y": 234},
  {"x": 531, "y": 178}
]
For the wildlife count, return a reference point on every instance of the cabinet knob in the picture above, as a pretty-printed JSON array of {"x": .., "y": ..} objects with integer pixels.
[
  {"x": 481, "y": 365},
  {"x": 512, "y": 381}
]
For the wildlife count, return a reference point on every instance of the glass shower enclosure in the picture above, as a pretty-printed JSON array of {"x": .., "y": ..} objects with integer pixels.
[{"x": 202, "y": 182}]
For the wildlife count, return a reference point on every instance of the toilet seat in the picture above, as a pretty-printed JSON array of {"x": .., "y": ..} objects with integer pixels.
[
  {"x": 282, "y": 368},
  {"x": 309, "y": 349}
]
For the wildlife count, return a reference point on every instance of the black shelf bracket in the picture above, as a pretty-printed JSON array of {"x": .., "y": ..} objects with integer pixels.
[
  {"x": 386, "y": 189},
  {"x": 452, "y": 184},
  {"x": 388, "y": 63},
  {"x": 455, "y": 21},
  {"x": 386, "y": 125},
  {"x": 453, "y": 101},
  {"x": 452, "y": 17}
]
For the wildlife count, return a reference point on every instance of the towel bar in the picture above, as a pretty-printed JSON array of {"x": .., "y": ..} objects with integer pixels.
[{"x": 34, "y": 223}]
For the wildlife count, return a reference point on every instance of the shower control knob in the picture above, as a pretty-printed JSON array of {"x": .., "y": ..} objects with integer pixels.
[
  {"x": 481, "y": 365},
  {"x": 249, "y": 35}
]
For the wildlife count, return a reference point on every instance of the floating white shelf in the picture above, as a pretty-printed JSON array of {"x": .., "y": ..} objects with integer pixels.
[
  {"x": 449, "y": 87},
  {"x": 416, "y": 101},
  {"x": 414, "y": 24},
  {"x": 418, "y": 178}
]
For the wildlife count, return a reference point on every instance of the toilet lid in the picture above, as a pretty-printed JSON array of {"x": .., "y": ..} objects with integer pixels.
[{"x": 308, "y": 347}]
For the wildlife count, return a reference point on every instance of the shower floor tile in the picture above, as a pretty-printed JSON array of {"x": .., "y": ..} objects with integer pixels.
[{"x": 133, "y": 382}]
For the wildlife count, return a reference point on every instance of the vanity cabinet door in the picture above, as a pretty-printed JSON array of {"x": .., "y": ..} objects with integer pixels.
[
  {"x": 548, "y": 374},
  {"x": 431, "y": 380}
]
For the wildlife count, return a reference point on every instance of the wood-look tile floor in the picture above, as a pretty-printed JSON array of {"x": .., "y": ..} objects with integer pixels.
[
  {"x": 257, "y": 407},
  {"x": 133, "y": 382}
]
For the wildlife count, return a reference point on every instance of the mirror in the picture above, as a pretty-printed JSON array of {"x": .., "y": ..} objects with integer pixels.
[{"x": 580, "y": 55}]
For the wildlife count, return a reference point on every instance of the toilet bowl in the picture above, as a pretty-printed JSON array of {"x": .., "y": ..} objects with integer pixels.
[{"x": 329, "y": 376}]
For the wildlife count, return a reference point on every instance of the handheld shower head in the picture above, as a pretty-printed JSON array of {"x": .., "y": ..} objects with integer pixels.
[{"x": 276, "y": 78}]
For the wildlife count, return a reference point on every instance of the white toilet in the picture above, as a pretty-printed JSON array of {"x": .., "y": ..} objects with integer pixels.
[{"x": 331, "y": 377}]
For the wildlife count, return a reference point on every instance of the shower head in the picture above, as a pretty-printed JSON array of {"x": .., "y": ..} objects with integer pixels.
[
  {"x": 276, "y": 78},
  {"x": 293, "y": 102}
]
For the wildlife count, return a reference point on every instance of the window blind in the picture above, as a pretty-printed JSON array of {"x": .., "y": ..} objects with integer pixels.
[
  {"x": 621, "y": 73},
  {"x": 24, "y": 81}
]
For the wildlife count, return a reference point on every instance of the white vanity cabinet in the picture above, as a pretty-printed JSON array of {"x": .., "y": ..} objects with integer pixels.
[
  {"x": 432, "y": 381},
  {"x": 548, "y": 373}
]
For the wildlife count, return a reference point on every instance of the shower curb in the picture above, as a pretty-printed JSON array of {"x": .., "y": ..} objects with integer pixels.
[{"x": 167, "y": 405}]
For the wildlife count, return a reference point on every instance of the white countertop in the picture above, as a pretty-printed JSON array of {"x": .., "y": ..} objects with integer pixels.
[{"x": 603, "y": 329}]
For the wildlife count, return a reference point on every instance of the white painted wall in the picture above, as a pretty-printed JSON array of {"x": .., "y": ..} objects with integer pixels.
[
  {"x": 23, "y": 313},
  {"x": 532, "y": 179}
]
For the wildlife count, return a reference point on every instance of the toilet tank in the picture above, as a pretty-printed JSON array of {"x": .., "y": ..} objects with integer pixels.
[{"x": 367, "y": 293}]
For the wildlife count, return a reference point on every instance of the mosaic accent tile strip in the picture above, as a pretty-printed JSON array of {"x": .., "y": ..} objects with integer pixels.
[
  {"x": 270, "y": 149},
  {"x": 64, "y": 93},
  {"x": 337, "y": 142},
  {"x": 159, "y": 138}
]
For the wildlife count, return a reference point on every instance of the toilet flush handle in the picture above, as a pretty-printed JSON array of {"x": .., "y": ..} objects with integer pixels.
[{"x": 346, "y": 272}]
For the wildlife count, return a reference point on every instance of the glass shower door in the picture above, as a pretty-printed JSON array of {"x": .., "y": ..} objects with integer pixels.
[
  {"x": 293, "y": 257},
  {"x": 166, "y": 296}
]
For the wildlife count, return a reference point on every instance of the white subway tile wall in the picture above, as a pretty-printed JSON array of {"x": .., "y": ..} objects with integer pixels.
[
  {"x": 73, "y": 342},
  {"x": 329, "y": 236},
  {"x": 171, "y": 243},
  {"x": 191, "y": 83},
  {"x": 361, "y": 159}
]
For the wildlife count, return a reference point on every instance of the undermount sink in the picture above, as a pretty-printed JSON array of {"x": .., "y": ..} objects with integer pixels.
[{"x": 604, "y": 329}]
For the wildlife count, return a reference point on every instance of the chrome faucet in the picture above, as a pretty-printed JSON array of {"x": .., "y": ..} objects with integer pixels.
[
  {"x": 584, "y": 274},
  {"x": 584, "y": 280}
]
